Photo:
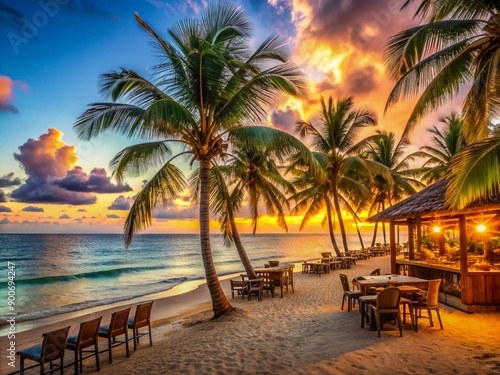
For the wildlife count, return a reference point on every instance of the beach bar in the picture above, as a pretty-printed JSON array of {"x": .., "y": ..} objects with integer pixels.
[{"x": 462, "y": 248}]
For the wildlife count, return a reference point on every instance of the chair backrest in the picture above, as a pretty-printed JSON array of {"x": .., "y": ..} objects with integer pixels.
[
  {"x": 88, "y": 332},
  {"x": 433, "y": 292},
  {"x": 345, "y": 282},
  {"x": 143, "y": 314},
  {"x": 375, "y": 272},
  {"x": 118, "y": 323},
  {"x": 54, "y": 344},
  {"x": 388, "y": 299}
]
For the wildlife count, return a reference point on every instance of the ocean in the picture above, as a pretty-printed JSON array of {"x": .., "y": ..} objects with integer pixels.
[{"x": 57, "y": 273}]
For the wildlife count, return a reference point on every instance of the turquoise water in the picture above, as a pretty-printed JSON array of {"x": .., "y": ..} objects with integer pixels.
[{"x": 56, "y": 273}]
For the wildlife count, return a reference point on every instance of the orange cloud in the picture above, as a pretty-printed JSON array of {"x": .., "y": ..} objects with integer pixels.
[{"x": 7, "y": 86}]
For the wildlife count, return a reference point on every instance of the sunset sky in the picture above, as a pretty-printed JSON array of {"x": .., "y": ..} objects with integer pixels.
[{"x": 53, "y": 52}]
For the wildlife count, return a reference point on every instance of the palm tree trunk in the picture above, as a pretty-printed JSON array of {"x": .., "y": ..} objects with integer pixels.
[
  {"x": 330, "y": 227},
  {"x": 240, "y": 248},
  {"x": 376, "y": 227},
  {"x": 338, "y": 211},
  {"x": 359, "y": 235},
  {"x": 220, "y": 304},
  {"x": 383, "y": 224}
]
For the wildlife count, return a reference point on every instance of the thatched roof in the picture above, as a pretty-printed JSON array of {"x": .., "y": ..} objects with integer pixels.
[{"x": 428, "y": 200}]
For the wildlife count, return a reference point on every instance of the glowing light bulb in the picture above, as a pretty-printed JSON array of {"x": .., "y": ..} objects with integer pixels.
[
  {"x": 481, "y": 228},
  {"x": 437, "y": 229}
]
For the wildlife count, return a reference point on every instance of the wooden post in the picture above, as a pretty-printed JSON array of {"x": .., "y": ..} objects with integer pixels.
[
  {"x": 392, "y": 240},
  {"x": 462, "y": 234},
  {"x": 419, "y": 234},
  {"x": 411, "y": 245}
]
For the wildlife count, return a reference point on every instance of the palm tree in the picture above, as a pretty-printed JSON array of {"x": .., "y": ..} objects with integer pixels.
[
  {"x": 446, "y": 143},
  {"x": 474, "y": 172},
  {"x": 251, "y": 171},
  {"x": 208, "y": 84},
  {"x": 383, "y": 149},
  {"x": 457, "y": 48},
  {"x": 335, "y": 139}
]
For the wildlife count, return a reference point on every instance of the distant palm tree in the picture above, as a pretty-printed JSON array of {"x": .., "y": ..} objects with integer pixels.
[
  {"x": 208, "y": 85},
  {"x": 446, "y": 143},
  {"x": 458, "y": 47},
  {"x": 335, "y": 139},
  {"x": 384, "y": 150}
]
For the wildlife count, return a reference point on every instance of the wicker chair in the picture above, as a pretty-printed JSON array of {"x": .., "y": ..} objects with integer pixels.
[
  {"x": 388, "y": 302},
  {"x": 430, "y": 303}
]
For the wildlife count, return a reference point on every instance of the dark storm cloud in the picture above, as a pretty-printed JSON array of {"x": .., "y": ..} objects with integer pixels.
[
  {"x": 33, "y": 209},
  {"x": 5, "y": 209},
  {"x": 360, "y": 81},
  {"x": 2, "y": 196},
  {"x": 121, "y": 204},
  {"x": 96, "y": 182},
  {"x": 358, "y": 22},
  {"x": 9, "y": 180},
  {"x": 64, "y": 216},
  {"x": 285, "y": 120}
]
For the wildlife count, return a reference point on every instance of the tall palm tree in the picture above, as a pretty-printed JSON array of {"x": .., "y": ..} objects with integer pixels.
[
  {"x": 208, "y": 85},
  {"x": 335, "y": 139},
  {"x": 457, "y": 47},
  {"x": 384, "y": 150},
  {"x": 446, "y": 143}
]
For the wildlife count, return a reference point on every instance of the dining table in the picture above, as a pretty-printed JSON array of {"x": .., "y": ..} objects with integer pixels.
[
  {"x": 282, "y": 275},
  {"x": 366, "y": 282}
]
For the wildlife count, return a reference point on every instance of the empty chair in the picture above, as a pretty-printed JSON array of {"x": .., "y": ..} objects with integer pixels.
[
  {"x": 141, "y": 319},
  {"x": 116, "y": 327},
  {"x": 238, "y": 286},
  {"x": 255, "y": 287},
  {"x": 87, "y": 336},
  {"x": 375, "y": 272},
  {"x": 430, "y": 303},
  {"x": 351, "y": 296},
  {"x": 52, "y": 348},
  {"x": 388, "y": 302}
]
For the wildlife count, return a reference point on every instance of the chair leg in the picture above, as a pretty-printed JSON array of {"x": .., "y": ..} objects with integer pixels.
[
  {"x": 343, "y": 299},
  {"x": 430, "y": 317},
  {"x": 150, "y": 338},
  {"x": 126, "y": 343},
  {"x": 377, "y": 320},
  {"x": 109, "y": 349},
  {"x": 439, "y": 318},
  {"x": 135, "y": 336},
  {"x": 399, "y": 324},
  {"x": 97, "y": 364},
  {"x": 76, "y": 361},
  {"x": 61, "y": 366}
]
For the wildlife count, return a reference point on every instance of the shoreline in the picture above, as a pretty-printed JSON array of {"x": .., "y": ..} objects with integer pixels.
[{"x": 302, "y": 333}]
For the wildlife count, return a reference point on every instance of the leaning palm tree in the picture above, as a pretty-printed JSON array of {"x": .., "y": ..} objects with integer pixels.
[
  {"x": 458, "y": 47},
  {"x": 335, "y": 138},
  {"x": 208, "y": 84},
  {"x": 384, "y": 150},
  {"x": 446, "y": 143}
]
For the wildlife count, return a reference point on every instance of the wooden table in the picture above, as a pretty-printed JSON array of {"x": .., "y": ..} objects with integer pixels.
[
  {"x": 281, "y": 275},
  {"x": 389, "y": 280},
  {"x": 318, "y": 267}
]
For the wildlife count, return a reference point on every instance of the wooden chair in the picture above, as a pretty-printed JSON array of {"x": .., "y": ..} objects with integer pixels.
[
  {"x": 375, "y": 272},
  {"x": 142, "y": 318},
  {"x": 238, "y": 286},
  {"x": 87, "y": 336},
  {"x": 388, "y": 302},
  {"x": 430, "y": 303},
  {"x": 255, "y": 287},
  {"x": 116, "y": 327},
  {"x": 351, "y": 296},
  {"x": 52, "y": 348}
]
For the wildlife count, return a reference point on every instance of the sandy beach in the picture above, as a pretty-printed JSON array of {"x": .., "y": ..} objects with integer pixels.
[{"x": 302, "y": 333}]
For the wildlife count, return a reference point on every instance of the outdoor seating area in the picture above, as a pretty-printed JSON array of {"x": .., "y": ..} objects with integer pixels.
[{"x": 52, "y": 350}]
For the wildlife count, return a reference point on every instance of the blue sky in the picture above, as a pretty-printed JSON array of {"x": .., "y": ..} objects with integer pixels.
[{"x": 53, "y": 52}]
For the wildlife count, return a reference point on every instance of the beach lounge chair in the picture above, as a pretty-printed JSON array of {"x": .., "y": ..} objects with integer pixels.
[
  {"x": 351, "y": 296},
  {"x": 142, "y": 318},
  {"x": 87, "y": 336},
  {"x": 51, "y": 349},
  {"x": 388, "y": 303},
  {"x": 430, "y": 303},
  {"x": 116, "y": 327}
]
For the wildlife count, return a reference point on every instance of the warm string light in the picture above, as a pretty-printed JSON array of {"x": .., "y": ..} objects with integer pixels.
[
  {"x": 436, "y": 229},
  {"x": 481, "y": 228}
]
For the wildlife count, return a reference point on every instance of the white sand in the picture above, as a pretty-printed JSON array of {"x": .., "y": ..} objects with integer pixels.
[{"x": 302, "y": 333}]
